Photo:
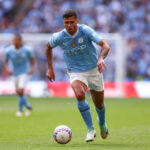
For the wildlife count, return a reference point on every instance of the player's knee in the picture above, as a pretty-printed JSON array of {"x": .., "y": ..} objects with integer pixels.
[
  {"x": 100, "y": 105},
  {"x": 80, "y": 95},
  {"x": 20, "y": 92}
]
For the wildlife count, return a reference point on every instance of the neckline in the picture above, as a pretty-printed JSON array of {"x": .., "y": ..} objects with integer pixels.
[
  {"x": 17, "y": 50},
  {"x": 72, "y": 36}
]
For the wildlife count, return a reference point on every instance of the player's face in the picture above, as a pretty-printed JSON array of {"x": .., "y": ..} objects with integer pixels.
[
  {"x": 71, "y": 24},
  {"x": 17, "y": 41}
]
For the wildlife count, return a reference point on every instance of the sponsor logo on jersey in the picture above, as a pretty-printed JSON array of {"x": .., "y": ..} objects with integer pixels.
[
  {"x": 78, "y": 50},
  {"x": 80, "y": 40},
  {"x": 73, "y": 44}
]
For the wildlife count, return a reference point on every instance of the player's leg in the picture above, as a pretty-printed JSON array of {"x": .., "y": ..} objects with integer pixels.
[
  {"x": 79, "y": 89},
  {"x": 23, "y": 98},
  {"x": 20, "y": 105},
  {"x": 98, "y": 99},
  {"x": 20, "y": 101},
  {"x": 96, "y": 85},
  {"x": 21, "y": 86}
]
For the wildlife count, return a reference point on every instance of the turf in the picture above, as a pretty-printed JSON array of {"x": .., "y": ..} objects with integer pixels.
[{"x": 128, "y": 121}]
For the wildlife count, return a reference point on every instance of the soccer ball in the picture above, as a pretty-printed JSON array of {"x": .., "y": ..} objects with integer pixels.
[{"x": 62, "y": 134}]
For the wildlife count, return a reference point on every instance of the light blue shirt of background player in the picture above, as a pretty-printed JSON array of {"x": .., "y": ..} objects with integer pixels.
[
  {"x": 19, "y": 59},
  {"x": 79, "y": 52}
]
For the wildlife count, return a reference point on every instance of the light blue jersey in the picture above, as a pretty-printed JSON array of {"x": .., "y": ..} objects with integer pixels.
[
  {"x": 19, "y": 59},
  {"x": 79, "y": 52}
]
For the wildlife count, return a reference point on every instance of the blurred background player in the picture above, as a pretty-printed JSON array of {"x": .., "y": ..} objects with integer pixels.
[
  {"x": 108, "y": 16},
  {"x": 18, "y": 59},
  {"x": 84, "y": 67}
]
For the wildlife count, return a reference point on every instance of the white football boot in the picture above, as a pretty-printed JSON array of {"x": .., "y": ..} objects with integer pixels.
[
  {"x": 90, "y": 135},
  {"x": 28, "y": 112},
  {"x": 19, "y": 114}
]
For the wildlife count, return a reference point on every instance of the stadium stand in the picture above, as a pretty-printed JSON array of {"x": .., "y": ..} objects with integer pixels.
[{"x": 130, "y": 18}]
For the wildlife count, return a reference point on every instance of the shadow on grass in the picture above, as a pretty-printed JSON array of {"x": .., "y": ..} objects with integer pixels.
[
  {"x": 71, "y": 146},
  {"x": 95, "y": 145}
]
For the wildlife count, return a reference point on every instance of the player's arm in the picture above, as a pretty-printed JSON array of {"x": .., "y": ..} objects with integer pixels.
[
  {"x": 103, "y": 53},
  {"x": 7, "y": 68},
  {"x": 49, "y": 55},
  {"x": 93, "y": 36},
  {"x": 32, "y": 61}
]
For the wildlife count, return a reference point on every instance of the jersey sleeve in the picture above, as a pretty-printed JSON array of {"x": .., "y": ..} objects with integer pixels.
[
  {"x": 92, "y": 34},
  {"x": 54, "y": 40}
]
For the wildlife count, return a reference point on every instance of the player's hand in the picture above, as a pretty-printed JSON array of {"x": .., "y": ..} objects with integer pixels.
[
  {"x": 30, "y": 71},
  {"x": 9, "y": 72},
  {"x": 101, "y": 65},
  {"x": 50, "y": 75}
]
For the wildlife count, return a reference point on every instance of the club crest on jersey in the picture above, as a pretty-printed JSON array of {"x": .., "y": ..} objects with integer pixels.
[
  {"x": 69, "y": 70},
  {"x": 73, "y": 44},
  {"x": 80, "y": 40}
]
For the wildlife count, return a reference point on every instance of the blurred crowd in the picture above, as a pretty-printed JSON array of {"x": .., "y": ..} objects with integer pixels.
[{"x": 131, "y": 18}]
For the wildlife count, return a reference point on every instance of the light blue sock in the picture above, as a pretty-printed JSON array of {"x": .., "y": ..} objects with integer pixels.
[
  {"x": 101, "y": 118},
  {"x": 20, "y": 102},
  {"x": 85, "y": 112},
  {"x": 25, "y": 102}
]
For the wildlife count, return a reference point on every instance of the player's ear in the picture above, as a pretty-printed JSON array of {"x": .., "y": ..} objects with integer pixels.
[{"x": 78, "y": 20}]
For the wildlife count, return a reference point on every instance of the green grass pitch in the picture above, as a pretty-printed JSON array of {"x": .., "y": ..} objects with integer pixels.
[{"x": 128, "y": 121}]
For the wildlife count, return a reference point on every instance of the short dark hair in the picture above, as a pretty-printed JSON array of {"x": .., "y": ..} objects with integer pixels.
[
  {"x": 18, "y": 35},
  {"x": 69, "y": 13}
]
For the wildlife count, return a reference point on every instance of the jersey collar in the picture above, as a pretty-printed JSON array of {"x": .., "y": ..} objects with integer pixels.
[
  {"x": 16, "y": 49},
  {"x": 73, "y": 36}
]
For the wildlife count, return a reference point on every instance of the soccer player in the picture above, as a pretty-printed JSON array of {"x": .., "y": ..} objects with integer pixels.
[
  {"x": 19, "y": 62},
  {"x": 84, "y": 66}
]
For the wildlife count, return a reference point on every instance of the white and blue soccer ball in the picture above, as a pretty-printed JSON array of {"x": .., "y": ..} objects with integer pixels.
[{"x": 62, "y": 134}]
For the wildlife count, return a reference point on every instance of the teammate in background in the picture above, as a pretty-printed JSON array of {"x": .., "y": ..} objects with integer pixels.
[
  {"x": 22, "y": 65},
  {"x": 84, "y": 66}
]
